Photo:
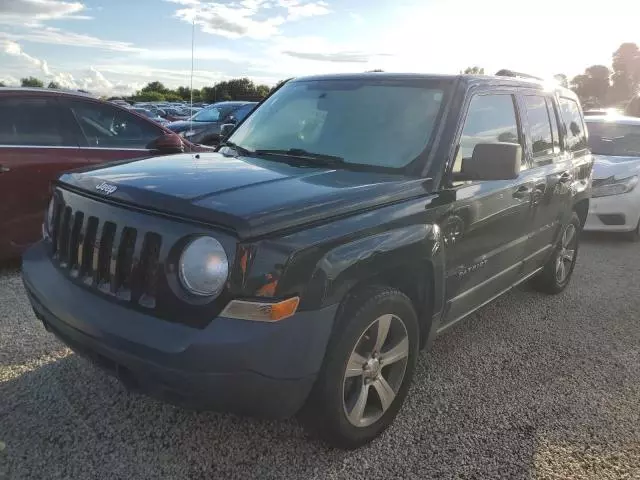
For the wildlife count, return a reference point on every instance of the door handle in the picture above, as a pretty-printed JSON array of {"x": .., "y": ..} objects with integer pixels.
[
  {"x": 4, "y": 169},
  {"x": 522, "y": 191},
  {"x": 565, "y": 177}
]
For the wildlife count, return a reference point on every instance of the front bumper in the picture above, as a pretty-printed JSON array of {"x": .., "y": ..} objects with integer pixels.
[
  {"x": 616, "y": 213},
  {"x": 253, "y": 368}
]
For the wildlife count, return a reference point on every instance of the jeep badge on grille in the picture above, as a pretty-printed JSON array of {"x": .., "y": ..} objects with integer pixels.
[{"x": 106, "y": 188}]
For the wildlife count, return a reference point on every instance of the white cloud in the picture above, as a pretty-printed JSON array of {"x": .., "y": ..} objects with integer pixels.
[
  {"x": 247, "y": 18},
  {"x": 15, "y": 50},
  {"x": 298, "y": 11},
  {"x": 338, "y": 57},
  {"x": 56, "y": 36},
  {"x": 17, "y": 10},
  {"x": 9, "y": 80}
]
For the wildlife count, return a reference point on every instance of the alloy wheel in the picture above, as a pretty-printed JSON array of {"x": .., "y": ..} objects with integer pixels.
[
  {"x": 375, "y": 370},
  {"x": 567, "y": 253}
]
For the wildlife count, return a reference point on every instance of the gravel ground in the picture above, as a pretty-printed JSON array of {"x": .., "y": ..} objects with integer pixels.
[{"x": 529, "y": 387}]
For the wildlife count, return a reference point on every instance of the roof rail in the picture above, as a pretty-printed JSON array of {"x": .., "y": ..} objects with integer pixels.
[{"x": 510, "y": 73}]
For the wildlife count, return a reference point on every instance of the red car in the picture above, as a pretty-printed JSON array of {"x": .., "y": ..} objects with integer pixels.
[{"x": 46, "y": 132}]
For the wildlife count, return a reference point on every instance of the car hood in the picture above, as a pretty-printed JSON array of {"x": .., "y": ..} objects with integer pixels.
[
  {"x": 183, "y": 125},
  {"x": 248, "y": 195},
  {"x": 606, "y": 166}
]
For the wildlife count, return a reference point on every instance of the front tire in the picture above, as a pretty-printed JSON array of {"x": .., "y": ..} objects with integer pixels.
[
  {"x": 556, "y": 273},
  {"x": 634, "y": 235},
  {"x": 367, "y": 370}
]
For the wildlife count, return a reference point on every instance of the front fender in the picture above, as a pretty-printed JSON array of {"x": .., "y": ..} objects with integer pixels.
[{"x": 347, "y": 265}]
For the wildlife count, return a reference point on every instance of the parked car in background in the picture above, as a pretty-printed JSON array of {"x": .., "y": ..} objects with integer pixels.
[
  {"x": 120, "y": 102},
  {"x": 204, "y": 127},
  {"x": 598, "y": 112},
  {"x": 615, "y": 204},
  {"x": 150, "y": 115},
  {"x": 301, "y": 268},
  {"x": 173, "y": 114},
  {"x": 46, "y": 132}
]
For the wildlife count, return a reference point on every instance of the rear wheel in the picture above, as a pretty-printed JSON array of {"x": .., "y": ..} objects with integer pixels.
[
  {"x": 367, "y": 370},
  {"x": 556, "y": 273}
]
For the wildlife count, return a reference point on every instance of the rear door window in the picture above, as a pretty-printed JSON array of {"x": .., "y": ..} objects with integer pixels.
[
  {"x": 574, "y": 128},
  {"x": 105, "y": 126},
  {"x": 539, "y": 128},
  {"x": 37, "y": 122}
]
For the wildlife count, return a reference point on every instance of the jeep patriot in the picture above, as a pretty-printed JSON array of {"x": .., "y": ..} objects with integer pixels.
[{"x": 339, "y": 228}]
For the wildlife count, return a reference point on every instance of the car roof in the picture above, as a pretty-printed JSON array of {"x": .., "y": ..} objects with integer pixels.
[
  {"x": 621, "y": 119},
  {"x": 46, "y": 91},
  {"x": 470, "y": 80}
]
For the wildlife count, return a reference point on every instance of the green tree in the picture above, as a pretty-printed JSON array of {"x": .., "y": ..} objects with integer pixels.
[
  {"x": 593, "y": 85},
  {"x": 562, "y": 79},
  {"x": 172, "y": 96},
  {"x": 149, "y": 96},
  {"x": 475, "y": 70},
  {"x": 2, "y": 84},
  {"x": 53, "y": 84},
  {"x": 31, "y": 82},
  {"x": 262, "y": 91},
  {"x": 155, "y": 87},
  {"x": 626, "y": 72}
]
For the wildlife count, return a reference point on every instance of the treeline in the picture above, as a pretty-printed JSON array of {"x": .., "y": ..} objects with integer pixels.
[
  {"x": 234, "y": 89},
  {"x": 600, "y": 85}
]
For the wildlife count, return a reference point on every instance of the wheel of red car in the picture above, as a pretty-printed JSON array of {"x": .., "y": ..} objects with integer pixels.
[{"x": 367, "y": 370}]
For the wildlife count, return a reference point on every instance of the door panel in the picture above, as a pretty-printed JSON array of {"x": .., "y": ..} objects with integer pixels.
[
  {"x": 25, "y": 186},
  {"x": 485, "y": 238},
  {"x": 36, "y": 145},
  {"x": 552, "y": 175},
  {"x": 486, "y": 231}
]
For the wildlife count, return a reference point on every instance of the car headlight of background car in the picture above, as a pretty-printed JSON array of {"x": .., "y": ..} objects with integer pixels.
[
  {"x": 615, "y": 187},
  {"x": 204, "y": 267}
]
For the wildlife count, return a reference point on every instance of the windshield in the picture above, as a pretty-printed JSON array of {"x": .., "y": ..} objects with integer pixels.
[
  {"x": 614, "y": 139},
  {"x": 368, "y": 122},
  {"x": 210, "y": 114}
]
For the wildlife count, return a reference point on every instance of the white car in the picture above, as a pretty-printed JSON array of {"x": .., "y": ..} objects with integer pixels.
[{"x": 615, "y": 204}]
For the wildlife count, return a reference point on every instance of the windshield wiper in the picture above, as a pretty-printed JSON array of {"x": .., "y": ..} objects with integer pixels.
[
  {"x": 237, "y": 148},
  {"x": 320, "y": 159}
]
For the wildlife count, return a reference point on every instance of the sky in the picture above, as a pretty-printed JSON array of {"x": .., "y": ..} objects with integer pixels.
[{"x": 112, "y": 47}]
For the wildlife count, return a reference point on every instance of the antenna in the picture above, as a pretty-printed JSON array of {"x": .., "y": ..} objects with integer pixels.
[{"x": 193, "y": 36}]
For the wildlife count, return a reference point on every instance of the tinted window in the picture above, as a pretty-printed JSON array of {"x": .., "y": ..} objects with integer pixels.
[
  {"x": 366, "y": 122},
  {"x": 539, "y": 125},
  {"x": 575, "y": 132},
  {"x": 490, "y": 119},
  {"x": 554, "y": 125},
  {"x": 33, "y": 121},
  {"x": 110, "y": 127}
]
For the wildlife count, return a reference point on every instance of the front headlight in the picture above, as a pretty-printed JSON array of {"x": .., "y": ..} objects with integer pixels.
[
  {"x": 616, "y": 187},
  {"x": 204, "y": 267}
]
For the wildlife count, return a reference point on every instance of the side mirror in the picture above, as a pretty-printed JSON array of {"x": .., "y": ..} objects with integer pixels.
[
  {"x": 169, "y": 143},
  {"x": 226, "y": 129},
  {"x": 493, "y": 161}
]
